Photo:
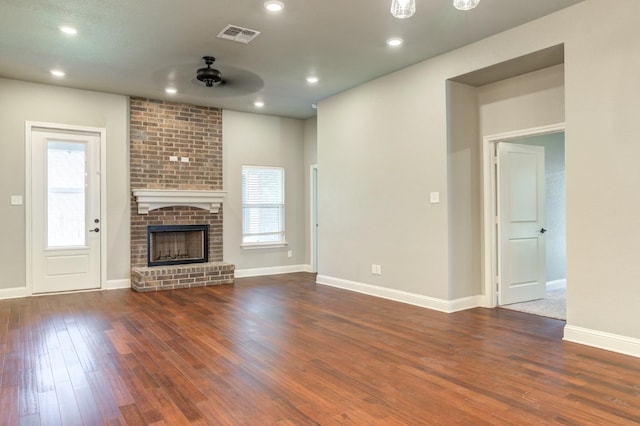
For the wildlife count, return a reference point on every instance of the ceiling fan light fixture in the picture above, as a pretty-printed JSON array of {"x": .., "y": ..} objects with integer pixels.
[
  {"x": 465, "y": 4},
  {"x": 402, "y": 9},
  {"x": 209, "y": 76}
]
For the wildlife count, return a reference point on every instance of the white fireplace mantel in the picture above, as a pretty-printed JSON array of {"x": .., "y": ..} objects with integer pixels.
[{"x": 152, "y": 199}]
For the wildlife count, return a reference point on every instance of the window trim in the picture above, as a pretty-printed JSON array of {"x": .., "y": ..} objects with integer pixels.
[{"x": 271, "y": 244}]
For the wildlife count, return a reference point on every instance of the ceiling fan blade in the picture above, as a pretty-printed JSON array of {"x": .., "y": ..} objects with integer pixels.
[{"x": 235, "y": 81}]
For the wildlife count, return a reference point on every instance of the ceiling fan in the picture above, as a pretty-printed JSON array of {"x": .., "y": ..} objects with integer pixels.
[
  {"x": 226, "y": 80},
  {"x": 209, "y": 76}
]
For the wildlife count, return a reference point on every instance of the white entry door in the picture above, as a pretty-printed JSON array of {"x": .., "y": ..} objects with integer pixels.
[
  {"x": 521, "y": 248},
  {"x": 65, "y": 210}
]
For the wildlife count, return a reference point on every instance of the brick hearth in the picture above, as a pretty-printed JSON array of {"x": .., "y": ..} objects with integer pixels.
[
  {"x": 160, "y": 130},
  {"x": 181, "y": 276}
]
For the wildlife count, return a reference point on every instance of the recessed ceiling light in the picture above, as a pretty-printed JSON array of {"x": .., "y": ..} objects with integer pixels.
[
  {"x": 274, "y": 6},
  {"x": 395, "y": 42},
  {"x": 465, "y": 4},
  {"x": 68, "y": 30},
  {"x": 312, "y": 80},
  {"x": 57, "y": 73},
  {"x": 171, "y": 90},
  {"x": 258, "y": 104}
]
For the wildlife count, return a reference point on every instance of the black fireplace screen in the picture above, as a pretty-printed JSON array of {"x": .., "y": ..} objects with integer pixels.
[{"x": 177, "y": 244}]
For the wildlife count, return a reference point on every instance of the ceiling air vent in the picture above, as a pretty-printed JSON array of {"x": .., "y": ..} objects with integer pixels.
[{"x": 239, "y": 34}]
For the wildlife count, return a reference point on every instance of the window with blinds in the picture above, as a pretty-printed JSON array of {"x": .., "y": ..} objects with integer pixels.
[{"x": 262, "y": 205}]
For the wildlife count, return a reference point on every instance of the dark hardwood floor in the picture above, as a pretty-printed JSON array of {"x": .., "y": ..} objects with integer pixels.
[{"x": 282, "y": 350}]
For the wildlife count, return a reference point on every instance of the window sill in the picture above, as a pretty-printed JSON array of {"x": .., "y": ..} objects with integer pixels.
[{"x": 253, "y": 246}]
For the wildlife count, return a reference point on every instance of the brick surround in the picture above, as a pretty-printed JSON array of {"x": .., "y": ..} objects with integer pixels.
[{"x": 159, "y": 130}]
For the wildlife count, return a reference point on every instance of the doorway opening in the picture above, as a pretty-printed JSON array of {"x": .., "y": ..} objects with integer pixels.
[{"x": 513, "y": 279}]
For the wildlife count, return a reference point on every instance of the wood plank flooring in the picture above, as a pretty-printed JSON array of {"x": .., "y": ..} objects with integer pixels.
[{"x": 282, "y": 350}]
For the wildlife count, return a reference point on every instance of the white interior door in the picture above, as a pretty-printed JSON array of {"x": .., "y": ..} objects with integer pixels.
[
  {"x": 65, "y": 210},
  {"x": 521, "y": 248}
]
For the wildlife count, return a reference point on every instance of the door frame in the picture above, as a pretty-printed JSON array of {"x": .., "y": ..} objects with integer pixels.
[
  {"x": 489, "y": 203},
  {"x": 313, "y": 216},
  {"x": 30, "y": 126}
]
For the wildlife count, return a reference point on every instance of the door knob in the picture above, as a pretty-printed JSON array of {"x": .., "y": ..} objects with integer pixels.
[
  {"x": 94, "y": 230},
  {"x": 542, "y": 230}
]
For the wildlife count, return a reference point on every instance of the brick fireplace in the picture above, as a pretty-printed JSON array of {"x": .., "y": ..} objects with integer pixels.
[{"x": 176, "y": 181}]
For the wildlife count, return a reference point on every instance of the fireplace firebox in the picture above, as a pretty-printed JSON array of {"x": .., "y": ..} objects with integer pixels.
[{"x": 177, "y": 244}]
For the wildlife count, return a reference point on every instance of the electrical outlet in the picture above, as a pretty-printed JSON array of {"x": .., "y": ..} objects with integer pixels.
[
  {"x": 173, "y": 158},
  {"x": 184, "y": 159},
  {"x": 290, "y": 253}
]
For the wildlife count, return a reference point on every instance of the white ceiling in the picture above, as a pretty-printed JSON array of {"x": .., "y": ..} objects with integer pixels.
[{"x": 138, "y": 47}]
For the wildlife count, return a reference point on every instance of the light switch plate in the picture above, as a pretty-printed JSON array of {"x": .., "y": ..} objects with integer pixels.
[
  {"x": 434, "y": 197},
  {"x": 16, "y": 200},
  {"x": 173, "y": 158},
  {"x": 184, "y": 159}
]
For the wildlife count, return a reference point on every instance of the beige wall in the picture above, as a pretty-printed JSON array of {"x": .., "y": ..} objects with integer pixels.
[
  {"x": 603, "y": 178},
  {"x": 382, "y": 147},
  {"x": 381, "y": 151},
  {"x": 21, "y": 102},
  {"x": 530, "y": 100},
  {"x": 261, "y": 140},
  {"x": 464, "y": 191}
]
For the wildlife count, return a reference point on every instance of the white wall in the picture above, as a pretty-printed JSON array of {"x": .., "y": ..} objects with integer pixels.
[
  {"x": 261, "y": 140},
  {"x": 382, "y": 147},
  {"x": 21, "y": 102}
]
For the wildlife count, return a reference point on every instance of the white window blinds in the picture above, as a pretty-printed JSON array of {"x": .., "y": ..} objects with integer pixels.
[{"x": 262, "y": 205}]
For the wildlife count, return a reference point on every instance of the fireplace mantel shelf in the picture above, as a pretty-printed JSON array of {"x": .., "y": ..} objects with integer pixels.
[{"x": 152, "y": 199}]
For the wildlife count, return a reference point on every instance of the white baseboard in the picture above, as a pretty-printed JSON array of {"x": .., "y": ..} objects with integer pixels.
[
  {"x": 557, "y": 282},
  {"x": 602, "y": 340},
  {"x": 13, "y": 293},
  {"x": 116, "y": 284},
  {"x": 272, "y": 270},
  {"x": 465, "y": 303},
  {"x": 447, "y": 306}
]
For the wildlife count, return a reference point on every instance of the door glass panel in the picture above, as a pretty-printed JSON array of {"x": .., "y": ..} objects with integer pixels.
[{"x": 66, "y": 194}]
